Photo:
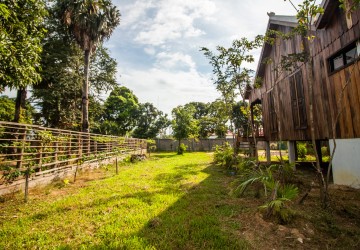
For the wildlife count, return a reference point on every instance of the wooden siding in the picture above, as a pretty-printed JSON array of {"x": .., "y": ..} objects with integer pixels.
[{"x": 327, "y": 87}]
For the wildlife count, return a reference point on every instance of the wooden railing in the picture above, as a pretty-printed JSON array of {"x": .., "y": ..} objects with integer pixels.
[{"x": 29, "y": 149}]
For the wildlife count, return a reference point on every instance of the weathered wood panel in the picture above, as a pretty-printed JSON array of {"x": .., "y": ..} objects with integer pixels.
[{"x": 327, "y": 87}]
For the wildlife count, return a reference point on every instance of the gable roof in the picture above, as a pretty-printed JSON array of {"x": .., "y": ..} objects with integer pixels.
[
  {"x": 329, "y": 7},
  {"x": 274, "y": 22}
]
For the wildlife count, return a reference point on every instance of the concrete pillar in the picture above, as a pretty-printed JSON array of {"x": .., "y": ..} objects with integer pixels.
[
  {"x": 291, "y": 150},
  {"x": 268, "y": 153}
]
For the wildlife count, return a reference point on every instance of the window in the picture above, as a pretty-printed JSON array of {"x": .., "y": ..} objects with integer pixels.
[
  {"x": 273, "y": 116},
  {"x": 344, "y": 57},
  {"x": 298, "y": 100}
]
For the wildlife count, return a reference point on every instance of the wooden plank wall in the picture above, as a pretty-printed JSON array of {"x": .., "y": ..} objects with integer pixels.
[{"x": 327, "y": 88}]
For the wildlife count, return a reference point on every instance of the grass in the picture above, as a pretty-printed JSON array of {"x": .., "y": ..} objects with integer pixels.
[
  {"x": 168, "y": 202},
  {"x": 171, "y": 202}
]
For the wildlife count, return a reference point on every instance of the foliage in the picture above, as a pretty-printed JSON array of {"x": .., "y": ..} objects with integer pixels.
[
  {"x": 278, "y": 206},
  {"x": 230, "y": 76},
  {"x": 182, "y": 149},
  {"x": 325, "y": 151},
  {"x": 301, "y": 150},
  {"x": 90, "y": 22},
  {"x": 228, "y": 66},
  {"x": 120, "y": 112},
  {"x": 349, "y": 5},
  {"x": 219, "y": 112},
  {"x": 224, "y": 155},
  {"x": 21, "y": 25},
  {"x": 149, "y": 121},
  {"x": 58, "y": 96},
  {"x": 275, "y": 183},
  {"x": 202, "y": 114},
  {"x": 7, "y": 110},
  {"x": 183, "y": 124}
]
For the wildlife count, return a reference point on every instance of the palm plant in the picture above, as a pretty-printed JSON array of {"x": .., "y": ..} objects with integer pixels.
[{"x": 90, "y": 22}]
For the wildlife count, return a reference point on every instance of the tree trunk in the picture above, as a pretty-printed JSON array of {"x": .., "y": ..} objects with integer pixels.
[
  {"x": 310, "y": 77},
  {"x": 179, "y": 146},
  {"x": 85, "y": 94},
  {"x": 20, "y": 104}
]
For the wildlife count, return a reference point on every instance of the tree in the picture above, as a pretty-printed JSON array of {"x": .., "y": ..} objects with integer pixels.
[
  {"x": 183, "y": 124},
  {"x": 150, "y": 121},
  {"x": 7, "y": 110},
  {"x": 21, "y": 25},
  {"x": 202, "y": 115},
  {"x": 219, "y": 112},
  {"x": 90, "y": 22},
  {"x": 120, "y": 112},
  {"x": 231, "y": 77}
]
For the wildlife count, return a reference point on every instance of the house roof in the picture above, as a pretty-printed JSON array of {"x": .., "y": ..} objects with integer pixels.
[
  {"x": 274, "y": 22},
  {"x": 329, "y": 7}
]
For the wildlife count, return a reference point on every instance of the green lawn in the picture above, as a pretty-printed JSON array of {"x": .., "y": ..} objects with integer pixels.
[{"x": 168, "y": 202}]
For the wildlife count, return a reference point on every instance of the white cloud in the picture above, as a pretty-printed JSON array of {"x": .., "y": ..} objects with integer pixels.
[
  {"x": 177, "y": 61},
  {"x": 174, "y": 20},
  {"x": 166, "y": 89},
  {"x": 150, "y": 50}
]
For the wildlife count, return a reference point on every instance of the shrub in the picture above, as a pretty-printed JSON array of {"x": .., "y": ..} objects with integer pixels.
[
  {"x": 301, "y": 151},
  {"x": 272, "y": 180},
  {"x": 182, "y": 149},
  {"x": 224, "y": 155},
  {"x": 325, "y": 151}
]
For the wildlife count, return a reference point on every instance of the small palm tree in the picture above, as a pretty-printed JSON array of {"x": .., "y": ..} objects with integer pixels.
[{"x": 90, "y": 22}]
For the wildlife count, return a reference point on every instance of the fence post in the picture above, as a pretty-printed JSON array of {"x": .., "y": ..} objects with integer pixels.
[
  {"x": 116, "y": 164},
  {"x": 56, "y": 149},
  {"x": 21, "y": 150}
]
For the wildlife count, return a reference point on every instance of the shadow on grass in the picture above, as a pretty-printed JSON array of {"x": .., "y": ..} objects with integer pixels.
[{"x": 205, "y": 217}]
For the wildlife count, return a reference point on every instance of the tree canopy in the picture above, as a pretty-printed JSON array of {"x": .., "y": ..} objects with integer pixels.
[{"x": 21, "y": 25}]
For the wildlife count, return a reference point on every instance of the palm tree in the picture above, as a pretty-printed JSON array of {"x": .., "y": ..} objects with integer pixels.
[{"x": 90, "y": 22}]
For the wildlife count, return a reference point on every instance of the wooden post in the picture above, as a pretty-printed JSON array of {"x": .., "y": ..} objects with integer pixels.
[
  {"x": 27, "y": 184},
  {"x": 116, "y": 164},
  {"x": 291, "y": 150},
  {"x": 268, "y": 152},
  {"x": 20, "y": 150},
  {"x": 69, "y": 147},
  {"x": 56, "y": 150}
]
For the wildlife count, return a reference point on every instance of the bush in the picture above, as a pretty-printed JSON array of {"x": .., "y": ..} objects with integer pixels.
[
  {"x": 182, "y": 149},
  {"x": 301, "y": 151},
  {"x": 273, "y": 181},
  {"x": 325, "y": 151},
  {"x": 224, "y": 155}
]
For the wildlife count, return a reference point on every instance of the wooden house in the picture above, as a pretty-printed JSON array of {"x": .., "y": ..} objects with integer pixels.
[{"x": 284, "y": 94}]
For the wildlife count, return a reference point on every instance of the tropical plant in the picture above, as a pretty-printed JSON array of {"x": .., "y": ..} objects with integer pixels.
[
  {"x": 90, "y": 22},
  {"x": 224, "y": 155},
  {"x": 274, "y": 182}
]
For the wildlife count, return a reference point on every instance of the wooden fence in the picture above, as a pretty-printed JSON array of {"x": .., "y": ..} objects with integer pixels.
[{"x": 30, "y": 151}]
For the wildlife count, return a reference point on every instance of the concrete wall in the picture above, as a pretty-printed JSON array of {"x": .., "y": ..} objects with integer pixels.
[
  {"x": 346, "y": 162},
  {"x": 200, "y": 145}
]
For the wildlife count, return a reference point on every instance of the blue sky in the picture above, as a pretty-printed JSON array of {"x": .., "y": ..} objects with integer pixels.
[{"x": 157, "y": 44}]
